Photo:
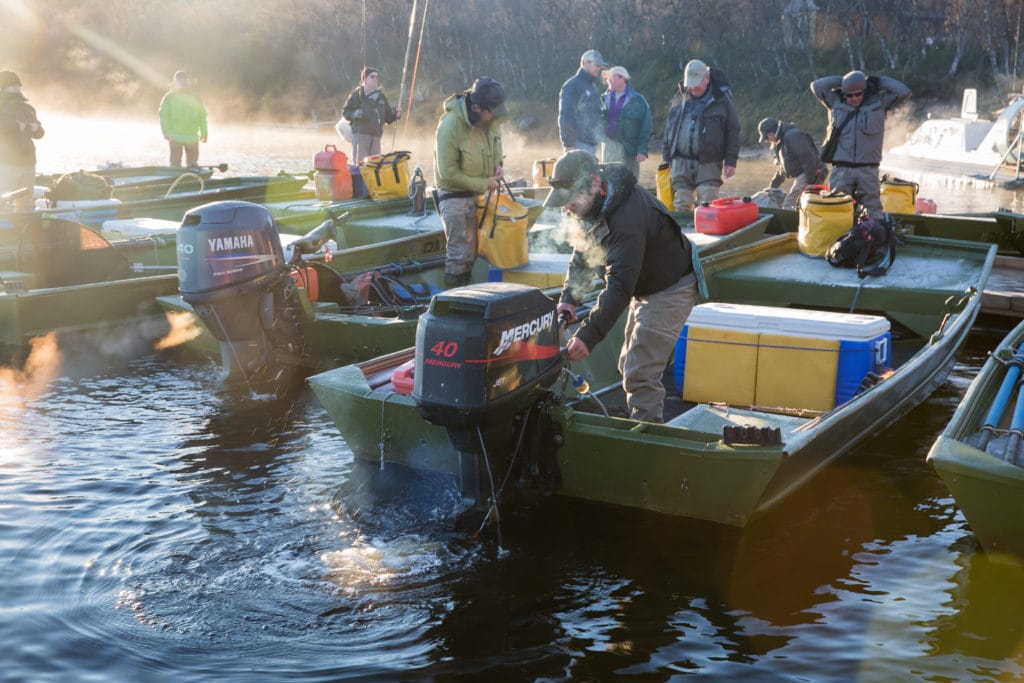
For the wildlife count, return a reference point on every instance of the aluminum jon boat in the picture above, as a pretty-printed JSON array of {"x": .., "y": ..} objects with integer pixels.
[{"x": 790, "y": 364}]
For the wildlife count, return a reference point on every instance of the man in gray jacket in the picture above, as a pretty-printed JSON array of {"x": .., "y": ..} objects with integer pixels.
[{"x": 857, "y": 106}]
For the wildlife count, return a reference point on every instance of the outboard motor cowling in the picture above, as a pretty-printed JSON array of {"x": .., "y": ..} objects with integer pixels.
[
  {"x": 230, "y": 266},
  {"x": 484, "y": 356},
  {"x": 483, "y": 351}
]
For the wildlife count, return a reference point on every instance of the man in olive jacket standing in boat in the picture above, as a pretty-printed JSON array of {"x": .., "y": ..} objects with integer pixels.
[
  {"x": 702, "y": 136},
  {"x": 857, "y": 107},
  {"x": 627, "y": 237},
  {"x": 18, "y": 128},
  {"x": 183, "y": 120},
  {"x": 467, "y": 162}
]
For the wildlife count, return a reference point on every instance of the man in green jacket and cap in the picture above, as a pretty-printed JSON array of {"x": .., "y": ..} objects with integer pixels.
[
  {"x": 467, "y": 162},
  {"x": 183, "y": 120}
]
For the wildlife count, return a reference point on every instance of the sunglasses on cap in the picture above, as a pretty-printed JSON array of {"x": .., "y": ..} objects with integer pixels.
[
  {"x": 859, "y": 93},
  {"x": 561, "y": 183}
]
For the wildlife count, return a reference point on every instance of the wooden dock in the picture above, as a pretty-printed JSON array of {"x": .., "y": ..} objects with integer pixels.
[{"x": 1004, "y": 293}]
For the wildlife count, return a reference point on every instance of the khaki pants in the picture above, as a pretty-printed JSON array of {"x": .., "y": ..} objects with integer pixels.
[
  {"x": 792, "y": 200},
  {"x": 458, "y": 215},
  {"x": 653, "y": 325}
]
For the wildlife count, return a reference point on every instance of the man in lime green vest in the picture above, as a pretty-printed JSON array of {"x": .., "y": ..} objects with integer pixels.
[{"x": 183, "y": 120}]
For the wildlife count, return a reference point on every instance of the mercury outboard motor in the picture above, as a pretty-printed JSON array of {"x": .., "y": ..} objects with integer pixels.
[
  {"x": 484, "y": 355},
  {"x": 232, "y": 270}
]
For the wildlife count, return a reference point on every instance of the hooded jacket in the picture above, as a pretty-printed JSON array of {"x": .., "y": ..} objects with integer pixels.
[
  {"x": 368, "y": 113},
  {"x": 580, "y": 110},
  {"x": 16, "y": 146},
  {"x": 860, "y": 142},
  {"x": 720, "y": 126},
  {"x": 645, "y": 251},
  {"x": 183, "y": 117},
  {"x": 465, "y": 155}
]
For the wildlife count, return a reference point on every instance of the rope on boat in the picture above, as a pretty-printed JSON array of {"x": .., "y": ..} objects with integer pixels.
[
  {"x": 493, "y": 508},
  {"x": 380, "y": 444}
]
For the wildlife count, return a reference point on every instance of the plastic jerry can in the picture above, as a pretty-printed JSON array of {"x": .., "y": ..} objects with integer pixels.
[{"x": 723, "y": 216}]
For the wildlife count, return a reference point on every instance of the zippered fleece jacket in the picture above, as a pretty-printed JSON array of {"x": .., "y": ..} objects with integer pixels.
[{"x": 644, "y": 251}]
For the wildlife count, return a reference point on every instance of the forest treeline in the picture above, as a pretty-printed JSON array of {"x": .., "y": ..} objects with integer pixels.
[{"x": 282, "y": 59}]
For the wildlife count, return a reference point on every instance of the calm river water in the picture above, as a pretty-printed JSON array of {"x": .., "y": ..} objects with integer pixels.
[{"x": 157, "y": 527}]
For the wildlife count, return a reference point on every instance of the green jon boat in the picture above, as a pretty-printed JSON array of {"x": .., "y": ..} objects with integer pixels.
[
  {"x": 980, "y": 453},
  {"x": 762, "y": 409},
  {"x": 408, "y": 253}
]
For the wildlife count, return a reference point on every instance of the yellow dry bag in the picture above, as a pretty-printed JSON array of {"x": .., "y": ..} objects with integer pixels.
[
  {"x": 386, "y": 176},
  {"x": 823, "y": 219},
  {"x": 663, "y": 185},
  {"x": 502, "y": 223}
]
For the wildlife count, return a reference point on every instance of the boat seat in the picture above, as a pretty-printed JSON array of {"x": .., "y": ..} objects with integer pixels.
[{"x": 712, "y": 419}]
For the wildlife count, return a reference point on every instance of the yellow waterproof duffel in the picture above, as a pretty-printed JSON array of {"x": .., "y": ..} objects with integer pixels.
[
  {"x": 386, "y": 176},
  {"x": 663, "y": 185},
  {"x": 824, "y": 218},
  {"x": 898, "y": 196},
  {"x": 502, "y": 224}
]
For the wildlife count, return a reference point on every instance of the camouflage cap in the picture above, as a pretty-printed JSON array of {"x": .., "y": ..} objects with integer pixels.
[{"x": 570, "y": 176}]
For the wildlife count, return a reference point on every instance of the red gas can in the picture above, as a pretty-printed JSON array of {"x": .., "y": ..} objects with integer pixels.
[
  {"x": 723, "y": 216},
  {"x": 331, "y": 159},
  {"x": 402, "y": 379},
  {"x": 923, "y": 205}
]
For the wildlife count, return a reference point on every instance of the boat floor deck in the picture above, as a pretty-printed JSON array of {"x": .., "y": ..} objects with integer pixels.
[{"x": 1004, "y": 293}]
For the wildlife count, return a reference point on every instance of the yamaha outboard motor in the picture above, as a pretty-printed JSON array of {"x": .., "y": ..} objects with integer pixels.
[
  {"x": 232, "y": 270},
  {"x": 484, "y": 354}
]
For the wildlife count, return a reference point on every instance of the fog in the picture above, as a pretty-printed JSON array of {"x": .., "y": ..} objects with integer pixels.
[{"x": 92, "y": 141}]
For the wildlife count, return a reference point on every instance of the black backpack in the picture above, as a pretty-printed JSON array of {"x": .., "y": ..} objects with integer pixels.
[{"x": 867, "y": 243}]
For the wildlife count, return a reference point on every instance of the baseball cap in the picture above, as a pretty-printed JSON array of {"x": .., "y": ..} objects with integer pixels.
[
  {"x": 766, "y": 126},
  {"x": 617, "y": 71},
  {"x": 595, "y": 57},
  {"x": 488, "y": 94},
  {"x": 570, "y": 176},
  {"x": 695, "y": 72},
  {"x": 8, "y": 78}
]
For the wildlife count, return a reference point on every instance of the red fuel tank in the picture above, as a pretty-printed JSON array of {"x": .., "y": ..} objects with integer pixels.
[
  {"x": 723, "y": 216},
  {"x": 331, "y": 159},
  {"x": 923, "y": 205}
]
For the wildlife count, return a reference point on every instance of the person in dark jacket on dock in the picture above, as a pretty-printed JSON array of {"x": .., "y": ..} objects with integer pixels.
[
  {"x": 702, "y": 136},
  {"x": 648, "y": 266},
  {"x": 796, "y": 156},
  {"x": 857, "y": 106},
  {"x": 18, "y": 128},
  {"x": 368, "y": 111}
]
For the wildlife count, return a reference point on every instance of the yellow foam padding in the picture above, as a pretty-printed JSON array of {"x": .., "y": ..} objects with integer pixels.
[
  {"x": 721, "y": 365},
  {"x": 899, "y": 197},
  {"x": 796, "y": 372},
  {"x": 822, "y": 220}
]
